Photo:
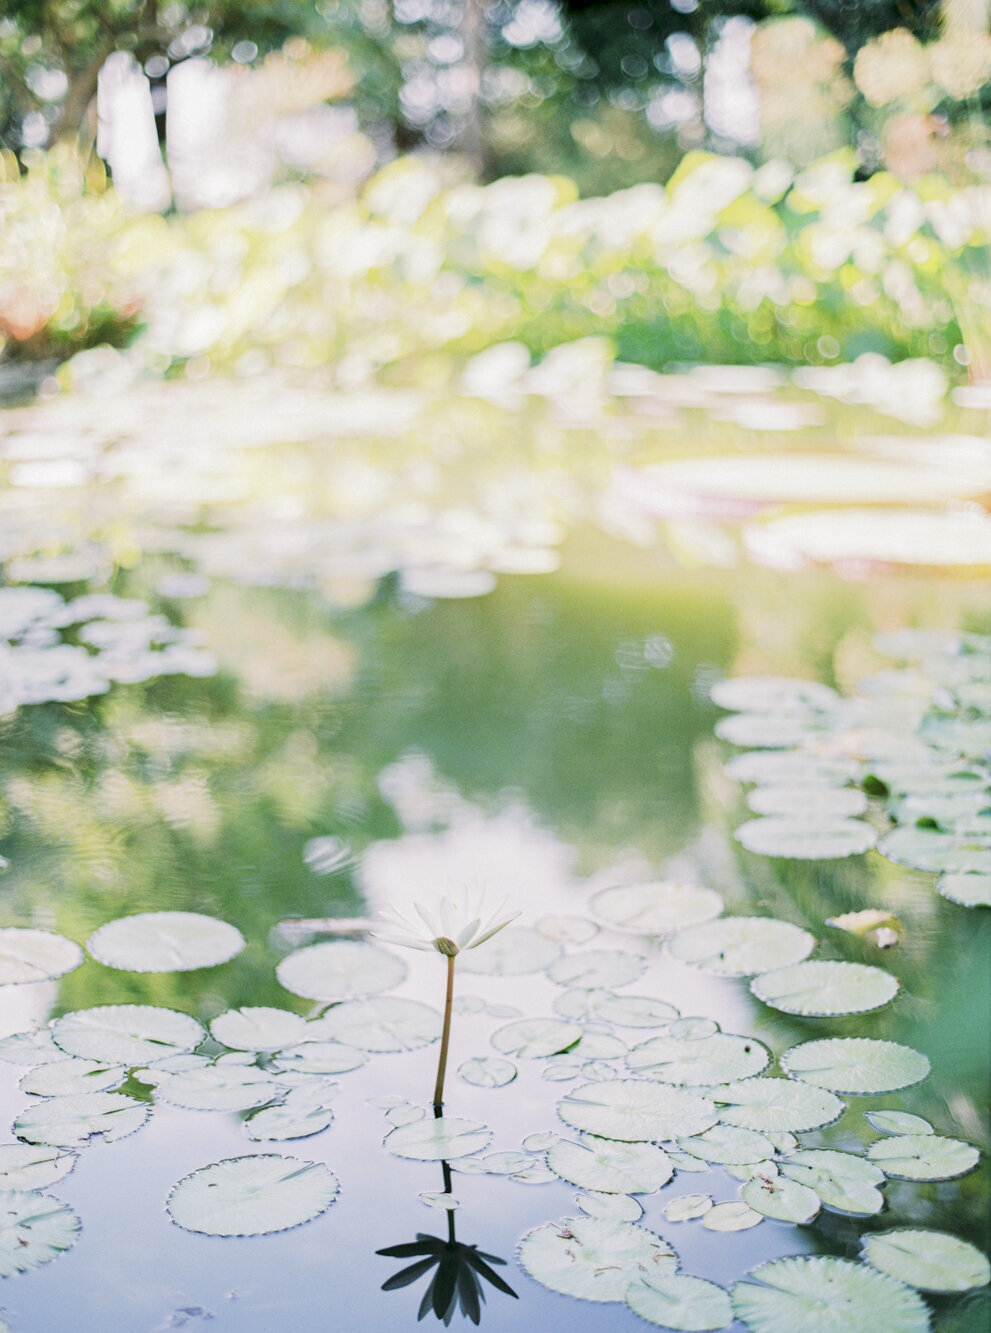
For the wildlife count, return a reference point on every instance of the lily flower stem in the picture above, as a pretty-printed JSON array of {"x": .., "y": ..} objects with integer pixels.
[{"x": 438, "y": 1102}]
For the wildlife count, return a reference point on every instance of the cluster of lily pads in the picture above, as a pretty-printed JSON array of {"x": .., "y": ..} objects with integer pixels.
[{"x": 917, "y": 738}]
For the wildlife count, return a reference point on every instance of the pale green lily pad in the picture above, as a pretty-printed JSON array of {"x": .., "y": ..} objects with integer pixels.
[
  {"x": 28, "y": 1166},
  {"x": 687, "y": 1207},
  {"x": 592, "y": 1259},
  {"x": 928, "y": 1260},
  {"x": 581, "y": 1005},
  {"x": 928, "y": 849},
  {"x": 64, "y": 1078},
  {"x": 252, "y": 1196},
  {"x": 971, "y": 890},
  {"x": 65, "y": 1122},
  {"x": 898, "y": 1122},
  {"x": 739, "y": 946},
  {"x": 825, "y": 989},
  {"x": 447, "y": 1202},
  {"x": 783, "y": 1199},
  {"x": 568, "y": 929},
  {"x": 806, "y": 839},
  {"x": 842, "y": 1180},
  {"x": 35, "y": 955},
  {"x": 536, "y": 1037},
  {"x": 598, "y": 1045},
  {"x": 599, "y": 1069},
  {"x": 216, "y": 1086},
  {"x": 772, "y": 694},
  {"x": 318, "y": 1057},
  {"x": 126, "y": 1034},
  {"x": 506, "y": 1163},
  {"x": 33, "y": 1047},
  {"x": 340, "y": 969},
  {"x": 598, "y": 969},
  {"x": 632, "y": 1110},
  {"x": 828, "y": 1296},
  {"x": 434, "y": 1139},
  {"x": 303, "y": 1111},
  {"x": 747, "y": 1170},
  {"x": 728, "y": 1143},
  {"x": 487, "y": 1071},
  {"x": 382, "y": 1023},
  {"x": 856, "y": 1065},
  {"x": 561, "y": 1069},
  {"x": 825, "y": 803},
  {"x": 771, "y": 731},
  {"x": 721, "y": 1058},
  {"x": 766, "y": 1104},
  {"x": 258, "y": 1028},
  {"x": 34, "y": 1229},
  {"x": 609, "y": 1167},
  {"x": 684, "y": 1161},
  {"x": 693, "y": 1028},
  {"x": 610, "y": 1207},
  {"x": 540, "y": 1141},
  {"x": 733, "y": 1216},
  {"x": 657, "y": 908},
  {"x": 406, "y": 1114},
  {"x": 793, "y": 768},
  {"x": 512, "y": 952},
  {"x": 165, "y": 942},
  {"x": 680, "y": 1302},
  {"x": 631, "y": 1011},
  {"x": 923, "y": 1157}
]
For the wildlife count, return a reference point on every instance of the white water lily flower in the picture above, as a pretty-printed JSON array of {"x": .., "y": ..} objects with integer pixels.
[{"x": 449, "y": 926}]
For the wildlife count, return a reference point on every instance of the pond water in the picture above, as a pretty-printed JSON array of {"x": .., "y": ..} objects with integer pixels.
[{"x": 414, "y": 640}]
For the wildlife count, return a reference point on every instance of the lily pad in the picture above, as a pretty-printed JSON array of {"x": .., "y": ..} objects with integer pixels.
[
  {"x": 35, "y": 955},
  {"x": 680, "y": 1302},
  {"x": 512, "y": 952},
  {"x": 592, "y": 1259},
  {"x": 631, "y": 1011},
  {"x": 828, "y": 1295},
  {"x": 610, "y": 1207},
  {"x": 26, "y": 1166},
  {"x": 807, "y": 838},
  {"x": 825, "y": 989},
  {"x": 215, "y": 1086},
  {"x": 597, "y": 969},
  {"x": 687, "y": 1207},
  {"x": 304, "y": 1111},
  {"x": 434, "y": 1139},
  {"x": 783, "y": 1199},
  {"x": 856, "y": 1065},
  {"x": 771, "y": 731},
  {"x": 318, "y": 1057},
  {"x": 770, "y": 694},
  {"x": 792, "y": 768},
  {"x": 165, "y": 942},
  {"x": 825, "y": 803},
  {"x": 568, "y": 929},
  {"x": 728, "y": 1143},
  {"x": 969, "y": 890},
  {"x": 64, "y": 1078},
  {"x": 126, "y": 1034},
  {"x": 923, "y": 1157},
  {"x": 252, "y": 1196},
  {"x": 536, "y": 1037},
  {"x": 928, "y": 1260},
  {"x": 340, "y": 969},
  {"x": 898, "y": 1122},
  {"x": 632, "y": 1110},
  {"x": 66, "y": 1122},
  {"x": 739, "y": 946},
  {"x": 733, "y": 1216},
  {"x": 721, "y": 1058},
  {"x": 34, "y": 1229},
  {"x": 258, "y": 1028},
  {"x": 767, "y": 1104},
  {"x": 656, "y": 908},
  {"x": 382, "y": 1023},
  {"x": 609, "y": 1167},
  {"x": 928, "y": 849},
  {"x": 33, "y": 1047},
  {"x": 842, "y": 1180},
  {"x": 487, "y": 1071}
]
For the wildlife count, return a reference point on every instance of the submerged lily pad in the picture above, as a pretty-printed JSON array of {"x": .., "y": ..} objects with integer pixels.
[
  {"x": 632, "y": 1110},
  {"x": 35, "y": 955},
  {"x": 433, "y": 1139},
  {"x": 825, "y": 989},
  {"x": 773, "y": 1104},
  {"x": 720, "y": 1058},
  {"x": 680, "y": 1302},
  {"x": 783, "y": 1199},
  {"x": 26, "y": 1166},
  {"x": 827, "y": 1295},
  {"x": 807, "y": 838},
  {"x": 340, "y": 969},
  {"x": 856, "y": 1065},
  {"x": 126, "y": 1034},
  {"x": 739, "y": 946},
  {"x": 34, "y": 1229},
  {"x": 65, "y": 1122},
  {"x": 165, "y": 942},
  {"x": 597, "y": 969},
  {"x": 512, "y": 952},
  {"x": 923, "y": 1157},
  {"x": 608, "y": 1167},
  {"x": 252, "y": 1196},
  {"x": 487, "y": 1071},
  {"x": 593, "y": 1259},
  {"x": 258, "y": 1028},
  {"x": 656, "y": 908},
  {"x": 929, "y": 1260},
  {"x": 382, "y": 1023}
]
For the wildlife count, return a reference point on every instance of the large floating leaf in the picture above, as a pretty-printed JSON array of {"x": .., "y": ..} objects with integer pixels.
[
  {"x": 825, "y": 989},
  {"x": 487, "y": 1071},
  {"x": 609, "y": 1167},
  {"x": 512, "y": 952},
  {"x": 687, "y": 1206},
  {"x": 770, "y": 694},
  {"x": 383, "y": 1023},
  {"x": 856, "y": 1065},
  {"x": 842, "y": 1180},
  {"x": 728, "y": 1143},
  {"x": 165, "y": 942},
  {"x": 927, "y": 849},
  {"x": 929, "y": 1260},
  {"x": 720, "y": 1058},
  {"x": 826, "y": 1295},
  {"x": 783, "y": 1199},
  {"x": 804, "y": 803},
  {"x": 898, "y": 1122},
  {"x": 773, "y": 731},
  {"x": 771, "y": 1104},
  {"x": 35, "y": 955},
  {"x": 657, "y": 908},
  {"x": 636, "y": 1111},
  {"x": 220, "y": 1086},
  {"x": 631, "y": 1011},
  {"x": 536, "y": 1037},
  {"x": 807, "y": 838},
  {"x": 733, "y": 1216},
  {"x": 34, "y": 1229},
  {"x": 126, "y": 1034},
  {"x": 610, "y": 1207},
  {"x": 251, "y": 1196},
  {"x": 971, "y": 890},
  {"x": 739, "y": 946},
  {"x": 923, "y": 1157},
  {"x": 303, "y": 1111},
  {"x": 592, "y": 1259},
  {"x": 258, "y": 1028},
  {"x": 64, "y": 1078},
  {"x": 792, "y": 768},
  {"x": 680, "y": 1302},
  {"x": 434, "y": 1139},
  {"x": 67, "y": 1121},
  {"x": 597, "y": 969},
  {"x": 318, "y": 1057},
  {"x": 25, "y": 1166},
  {"x": 340, "y": 969}
]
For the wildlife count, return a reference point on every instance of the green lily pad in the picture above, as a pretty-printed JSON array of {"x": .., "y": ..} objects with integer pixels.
[
  {"x": 444, "y": 1201},
  {"x": 631, "y": 1011},
  {"x": 728, "y": 1143},
  {"x": 258, "y": 1028},
  {"x": 806, "y": 839},
  {"x": 687, "y": 1207},
  {"x": 64, "y": 1078},
  {"x": 720, "y": 1058},
  {"x": 855, "y": 1065},
  {"x": 767, "y": 1104},
  {"x": 928, "y": 849},
  {"x": 824, "y": 803},
  {"x": 512, "y": 952},
  {"x": 214, "y": 1086},
  {"x": 35, "y": 955},
  {"x": 825, "y": 989},
  {"x": 34, "y": 1229},
  {"x": 657, "y": 908},
  {"x": 28, "y": 1166},
  {"x": 318, "y": 1057},
  {"x": 433, "y": 1139},
  {"x": 747, "y": 1170},
  {"x": 126, "y": 1034},
  {"x": 382, "y": 1023},
  {"x": 165, "y": 942},
  {"x": 844, "y": 1181},
  {"x": 792, "y": 768},
  {"x": 732, "y": 1216},
  {"x": 771, "y": 731},
  {"x": 632, "y": 1110},
  {"x": 923, "y": 1157},
  {"x": 898, "y": 1122},
  {"x": 610, "y": 1207},
  {"x": 536, "y": 1037},
  {"x": 66, "y": 1122},
  {"x": 597, "y": 969},
  {"x": 487, "y": 1071},
  {"x": 928, "y": 1260},
  {"x": 592, "y": 1259},
  {"x": 969, "y": 890},
  {"x": 33, "y": 1047},
  {"x": 827, "y": 1295},
  {"x": 340, "y": 969},
  {"x": 680, "y": 1302},
  {"x": 608, "y": 1167},
  {"x": 772, "y": 694},
  {"x": 739, "y": 946},
  {"x": 252, "y": 1196},
  {"x": 783, "y": 1199},
  {"x": 303, "y": 1111}
]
